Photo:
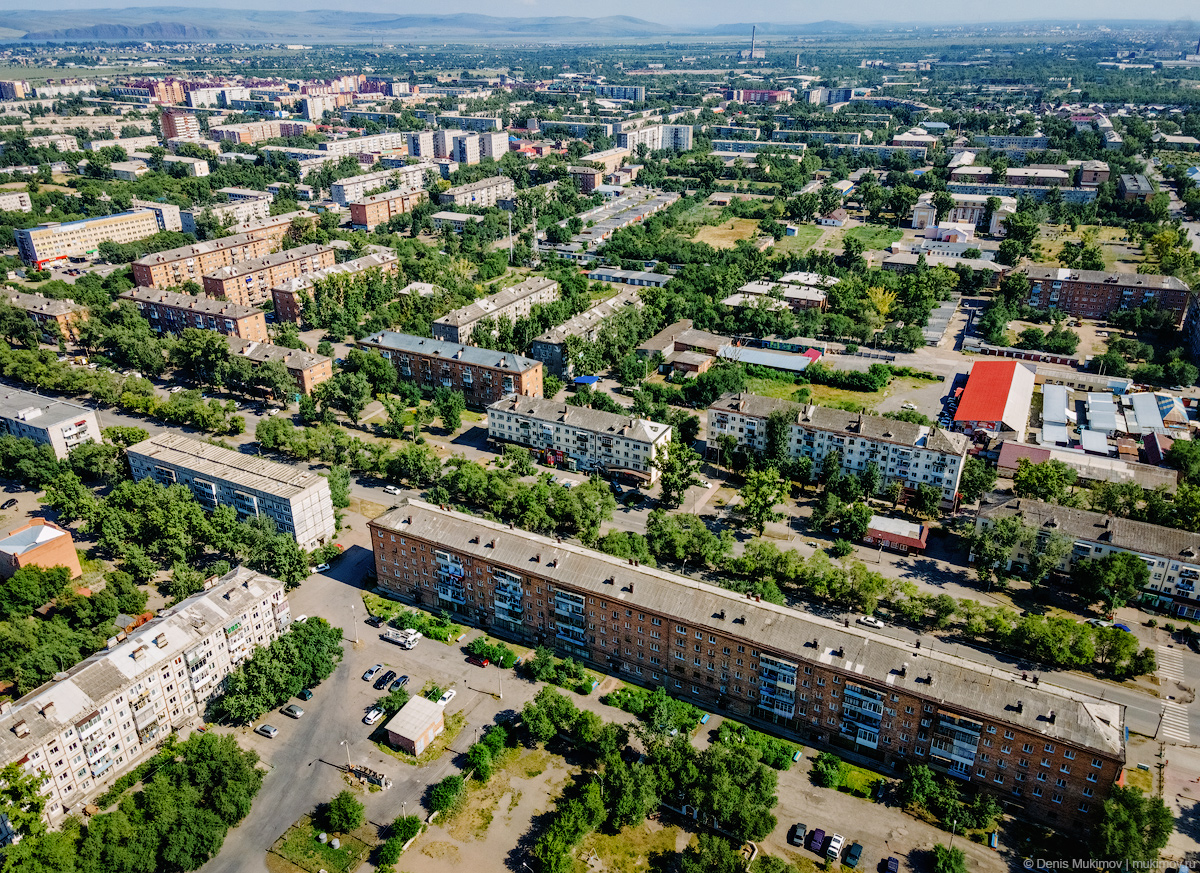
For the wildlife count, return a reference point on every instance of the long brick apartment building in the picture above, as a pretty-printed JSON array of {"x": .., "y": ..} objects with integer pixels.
[
  {"x": 308, "y": 369},
  {"x": 64, "y": 314},
  {"x": 172, "y": 312},
  {"x": 286, "y": 295},
  {"x": 1095, "y": 293},
  {"x": 1046, "y": 751},
  {"x": 370, "y": 212},
  {"x": 484, "y": 376},
  {"x": 250, "y": 282}
]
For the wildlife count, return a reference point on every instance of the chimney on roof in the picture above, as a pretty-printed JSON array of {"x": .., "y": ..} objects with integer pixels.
[
  {"x": 904, "y": 669},
  {"x": 1020, "y": 706},
  {"x": 49, "y": 709},
  {"x": 630, "y": 587},
  {"x": 21, "y": 728},
  {"x": 928, "y": 678},
  {"x": 5, "y": 707},
  {"x": 1053, "y": 717}
]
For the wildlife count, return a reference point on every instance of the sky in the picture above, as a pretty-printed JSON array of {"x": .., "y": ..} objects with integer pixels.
[{"x": 704, "y": 12}]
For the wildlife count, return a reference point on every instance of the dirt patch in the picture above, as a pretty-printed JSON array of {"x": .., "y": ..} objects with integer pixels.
[
  {"x": 726, "y": 234},
  {"x": 632, "y": 849},
  {"x": 366, "y": 508},
  {"x": 441, "y": 850},
  {"x": 484, "y": 801}
]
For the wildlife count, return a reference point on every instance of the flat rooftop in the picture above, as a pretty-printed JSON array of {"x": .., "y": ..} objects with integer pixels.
[{"x": 248, "y": 471}]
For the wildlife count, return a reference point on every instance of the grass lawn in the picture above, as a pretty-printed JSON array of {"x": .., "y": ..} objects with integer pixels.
[
  {"x": 775, "y": 388},
  {"x": 1118, "y": 254},
  {"x": 840, "y": 398},
  {"x": 874, "y": 236},
  {"x": 480, "y": 802},
  {"x": 300, "y": 847},
  {"x": 805, "y": 238},
  {"x": 726, "y": 234},
  {"x": 1142, "y": 779},
  {"x": 378, "y": 605},
  {"x": 860, "y": 782},
  {"x": 632, "y": 849},
  {"x": 454, "y": 726},
  {"x": 699, "y": 213}
]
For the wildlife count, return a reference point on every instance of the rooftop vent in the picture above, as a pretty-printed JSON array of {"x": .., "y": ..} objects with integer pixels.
[
  {"x": 1052, "y": 717},
  {"x": 21, "y": 728},
  {"x": 1020, "y": 706},
  {"x": 49, "y": 709}
]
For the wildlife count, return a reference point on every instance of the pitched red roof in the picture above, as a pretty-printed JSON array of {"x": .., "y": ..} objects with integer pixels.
[{"x": 987, "y": 391}]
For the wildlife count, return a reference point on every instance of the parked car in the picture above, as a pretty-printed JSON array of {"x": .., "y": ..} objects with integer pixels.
[
  {"x": 478, "y": 661},
  {"x": 376, "y": 621},
  {"x": 870, "y": 621},
  {"x": 320, "y": 568},
  {"x": 373, "y": 715},
  {"x": 371, "y": 671},
  {"x": 383, "y": 680},
  {"x": 908, "y": 406},
  {"x": 397, "y": 684},
  {"x": 306, "y": 694},
  {"x": 447, "y": 697},
  {"x": 392, "y": 489},
  {"x": 300, "y": 619},
  {"x": 9, "y": 504},
  {"x": 835, "y": 847},
  {"x": 174, "y": 389},
  {"x": 292, "y": 710},
  {"x": 853, "y": 855},
  {"x": 796, "y": 835},
  {"x": 817, "y": 841},
  {"x": 268, "y": 731}
]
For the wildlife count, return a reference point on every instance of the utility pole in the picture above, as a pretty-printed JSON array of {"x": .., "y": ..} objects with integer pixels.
[{"x": 510, "y": 245}]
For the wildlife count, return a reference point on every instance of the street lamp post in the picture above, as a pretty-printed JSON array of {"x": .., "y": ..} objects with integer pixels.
[
  {"x": 953, "y": 829},
  {"x": 355, "y": 623},
  {"x": 349, "y": 766}
]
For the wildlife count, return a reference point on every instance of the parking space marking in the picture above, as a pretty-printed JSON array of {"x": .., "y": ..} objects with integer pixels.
[{"x": 1175, "y": 723}]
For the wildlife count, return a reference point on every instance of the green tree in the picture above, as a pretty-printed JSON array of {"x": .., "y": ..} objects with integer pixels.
[
  {"x": 711, "y": 854},
  {"x": 1046, "y": 551},
  {"x": 1112, "y": 581},
  {"x": 348, "y": 393},
  {"x": 1050, "y": 481},
  {"x": 449, "y": 405},
  {"x": 446, "y": 793},
  {"x": 948, "y": 860},
  {"x": 1133, "y": 828},
  {"x": 927, "y": 502},
  {"x": 978, "y": 478},
  {"x": 992, "y": 547},
  {"x": 678, "y": 467},
  {"x": 344, "y": 812},
  {"x": 829, "y": 771},
  {"x": 763, "y": 491},
  {"x": 21, "y": 799},
  {"x": 479, "y": 759}
]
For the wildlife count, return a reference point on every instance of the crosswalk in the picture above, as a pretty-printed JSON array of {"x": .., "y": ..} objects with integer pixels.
[
  {"x": 1170, "y": 663},
  {"x": 1175, "y": 723}
]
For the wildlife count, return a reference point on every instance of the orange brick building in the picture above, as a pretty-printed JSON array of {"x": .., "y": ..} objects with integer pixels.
[
  {"x": 38, "y": 544},
  {"x": 250, "y": 282},
  {"x": 370, "y": 212},
  {"x": 46, "y": 310},
  {"x": 172, "y": 312},
  {"x": 286, "y": 295}
]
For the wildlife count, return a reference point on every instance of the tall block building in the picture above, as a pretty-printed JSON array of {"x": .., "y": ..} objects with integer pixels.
[
  {"x": 114, "y": 709},
  {"x": 172, "y": 312},
  {"x": 240, "y": 209},
  {"x": 249, "y": 283},
  {"x": 484, "y": 376},
  {"x": 56, "y": 423},
  {"x": 173, "y": 267},
  {"x": 354, "y": 188},
  {"x": 179, "y": 124},
  {"x": 297, "y": 500},
  {"x": 550, "y": 347},
  {"x": 911, "y": 454},
  {"x": 1046, "y": 751}
]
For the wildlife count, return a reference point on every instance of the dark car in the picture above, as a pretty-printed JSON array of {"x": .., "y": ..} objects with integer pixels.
[
  {"x": 9, "y": 504},
  {"x": 796, "y": 835},
  {"x": 817, "y": 841},
  {"x": 478, "y": 661},
  {"x": 376, "y": 621},
  {"x": 398, "y": 684},
  {"x": 306, "y": 694},
  {"x": 383, "y": 680},
  {"x": 853, "y": 855}
]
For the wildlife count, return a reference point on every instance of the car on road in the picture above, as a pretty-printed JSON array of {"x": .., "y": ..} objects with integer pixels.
[
  {"x": 306, "y": 694},
  {"x": 397, "y": 684},
  {"x": 796, "y": 834},
  {"x": 908, "y": 406},
  {"x": 447, "y": 697},
  {"x": 478, "y": 661},
  {"x": 320, "y": 568},
  {"x": 566, "y": 483},
  {"x": 292, "y": 710},
  {"x": 616, "y": 488},
  {"x": 9, "y": 504},
  {"x": 835, "y": 847},
  {"x": 268, "y": 731},
  {"x": 373, "y": 715},
  {"x": 383, "y": 680},
  {"x": 392, "y": 489},
  {"x": 870, "y": 621},
  {"x": 853, "y": 855},
  {"x": 1099, "y": 622},
  {"x": 371, "y": 671}
]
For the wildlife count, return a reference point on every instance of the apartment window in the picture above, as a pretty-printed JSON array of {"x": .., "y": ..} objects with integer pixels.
[
  {"x": 1037, "y": 791},
  {"x": 1049, "y": 749},
  {"x": 1028, "y": 747},
  {"x": 1068, "y": 754},
  {"x": 1057, "y": 798},
  {"x": 1096, "y": 762},
  {"x": 1008, "y": 735}
]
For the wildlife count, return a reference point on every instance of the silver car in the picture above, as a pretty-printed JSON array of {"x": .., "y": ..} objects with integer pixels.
[
  {"x": 268, "y": 731},
  {"x": 292, "y": 710}
]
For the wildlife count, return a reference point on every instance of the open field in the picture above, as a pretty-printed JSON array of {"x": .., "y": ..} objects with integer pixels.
[
  {"x": 874, "y": 236},
  {"x": 1118, "y": 254},
  {"x": 727, "y": 233},
  {"x": 634, "y": 849},
  {"x": 825, "y": 395},
  {"x": 774, "y": 388},
  {"x": 806, "y": 237}
]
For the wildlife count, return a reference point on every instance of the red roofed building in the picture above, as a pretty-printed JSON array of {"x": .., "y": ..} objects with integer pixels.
[
  {"x": 997, "y": 398},
  {"x": 897, "y": 535}
]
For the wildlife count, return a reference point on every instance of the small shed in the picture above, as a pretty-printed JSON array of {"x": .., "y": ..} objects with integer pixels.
[{"x": 416, "y": 725}]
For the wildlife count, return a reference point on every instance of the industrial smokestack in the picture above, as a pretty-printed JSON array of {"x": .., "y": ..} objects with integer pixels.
[{"x": 753, "y": 32}]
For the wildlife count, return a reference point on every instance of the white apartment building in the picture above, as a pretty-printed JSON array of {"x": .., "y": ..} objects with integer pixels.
[
  {"x": 466, "y": 149},
  {"x": 493, "y": 144},
  {"x": 676, "y": 137},
  {"x": 911, "y": 454},
  {"x": 15, "y": 201},
  {"x": 235, "y": 212},
  {"x": 420, "y": 144},
  {"x": 46, "y": 421},
  {"x": 485, "y": 192},
  {"x": 443, "y": 142},
  {"x": 113, "y": 709},
  {"x": 363, "y": 145},
  {"x": 298, "y": 501},
  {"x": 355, "y": 188},
  {"x": 1172, "y": 556},
  {"x": 512, "y": 303},
  {"x": 79, "y": 239},
  {"x": 606, "y": 442}
]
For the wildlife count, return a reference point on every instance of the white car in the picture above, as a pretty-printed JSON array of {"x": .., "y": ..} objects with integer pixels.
[
  {"x": 174, "y": 389},
  {"x": 705, "y": 484},
  {"x": 447, "y": 697},
  {"x": 908, "y": 406},
  {"x": 268, "y": 731},
  {"x": 392, "y": 489},
  {"x": 300, "y": 619},
  {"x": 373, "y": 715},
  {"x": 320, "y": 568},
  {"x": 870, "y": 621},
  {"x": 835, "y": 846}
]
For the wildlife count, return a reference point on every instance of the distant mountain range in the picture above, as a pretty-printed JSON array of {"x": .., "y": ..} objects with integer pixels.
[{"x": 170, "y": 23}]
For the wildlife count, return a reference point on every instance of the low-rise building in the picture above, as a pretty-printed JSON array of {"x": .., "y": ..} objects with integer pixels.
[
  {"x": 172, "y": 312},
  {"x": 15, "y": 201},
  {"x": 418, "y": 723},
  {"x": 249, "y": 283},
  {"x": 1096, "y": 293},
  {"x": 586, "y": 179},
  {"x": 298, "y": 501},
  {"x": 968, "y": 209},
  {"x": 485, "y": 192},
  {"x": 39, "y": 543},
  {"x": 681, "y": 338},
  {"x": 370, "y": 212},
  {"x": 483, "y": 376},
  {"x": 589, "y": 439},
  {"x": 897, "y": 535},
  {"x": 233, "y": 212},
  {"x": 81, "y": 239},
  {"x": 354, "y": 188},
  {"x": 809, "y": 294},
  {"x": 456, "y": 222},
  {"x": 65, "y": 315},
  {"x": 113, "y": 709},
  {"x": 308, "y": 369},
  {"x": 56, "y": 423},
  {"x": 511, "y": 303},
  {"x": 904, "y": 452},
  {"x": 550, "y": 347},
  {"x": 286, "y": 295},
  {"x": 641, "y": 278},
  {"x": 997, "y": 398},
  {"x": 1134, "y": 186},
  {"x": 429, "y": 555}
]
